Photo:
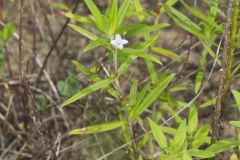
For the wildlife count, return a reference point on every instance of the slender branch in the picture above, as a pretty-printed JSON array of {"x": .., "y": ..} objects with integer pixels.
[
  {"x": 222, "y": 89},
  {"x": 55, "y": 44},
  {"x": 20, "y": 58}
]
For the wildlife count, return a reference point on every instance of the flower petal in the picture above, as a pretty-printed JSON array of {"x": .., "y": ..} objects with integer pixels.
[
  {"x": 113, "y": 42},
  {"x": 120, "y": 46},
  {"x": 124, "y": 41},
  {"x": 118, "y": 37}
]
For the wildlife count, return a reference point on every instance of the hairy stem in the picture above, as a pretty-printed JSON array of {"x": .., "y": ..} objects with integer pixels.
[{"x": 226, "y": 66}]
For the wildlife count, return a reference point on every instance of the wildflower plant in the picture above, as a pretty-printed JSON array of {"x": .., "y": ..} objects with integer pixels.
[{"x": 107, "y": 30}]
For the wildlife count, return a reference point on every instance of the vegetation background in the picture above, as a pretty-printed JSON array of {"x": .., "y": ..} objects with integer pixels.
[{"x": 177, "y": 98}]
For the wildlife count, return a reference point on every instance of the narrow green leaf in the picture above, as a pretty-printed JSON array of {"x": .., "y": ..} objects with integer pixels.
[
  {"x": 168, "y": 3},
  {"x": 208, "y": 103},
  {"x": 202, "y": 131},
  {"x": 78, "y": 18},
  {"x": 210, "y": 51},
  {"x": 192, "y": 119},
  {"x": 94, "y": 87},
  {"x": 223, "y": 145},
  {"x": 199, "y": 141},
  {"x": 124, "y": 66},
  {"x": 186, "y": 155},
  {"x": 138, "y": 8},
  {"x": 122, "y": 12},
  {"x": 201, "y": 16},
  {"x": 158, "y": 134},
  {"x": 236, "y": 96},
  {"x": 152, "y": 71},
  {"x": 165, "y": 52},
  {"x": 198, "y": 80},
  {"x": 139, "y": 53},
  {"x": 83, "y": 32},
  {"x": 113, "y": 17},
  {"x": 235, "y": 123},
  {"x": 151, "y": 97},
  {"x": 95, "y": 12},
  {"x": 201, "y": 153},
  {"x": 180, "y": 135},
  {"x": 168, "y": 130},
  {"x": 184, "y": 22},
  {"x": 142, "y": 94},
  {"x": 85, "y": 71},
  {"x": 141, "y": 29},
  {"x": 143, "y": 141},
  {"x": 148, "y": 43},
  {"x": 61, "y": 6},
  {"x": 98, "y": 128},
  {"x": 133, "y": 93},
  {"x": 95, "y": 44}
]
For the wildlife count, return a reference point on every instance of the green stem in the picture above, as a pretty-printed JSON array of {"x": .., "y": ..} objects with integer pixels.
[{"x": 234, "y": 27}]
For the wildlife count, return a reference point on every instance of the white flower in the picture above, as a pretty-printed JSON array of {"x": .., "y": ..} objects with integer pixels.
[{"x": 118, "y": 42}]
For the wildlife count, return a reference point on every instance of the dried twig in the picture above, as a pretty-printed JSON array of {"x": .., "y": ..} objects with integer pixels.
[{"x": 55, "y": 44}]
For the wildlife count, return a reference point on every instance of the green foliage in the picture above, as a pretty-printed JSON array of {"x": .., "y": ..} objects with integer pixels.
[
  {"x": 184, "y": 138},
  {"x": 98, "y": 128},
  {"x": 70, "y": 86},
  {"x": 84, "y": 92},
  {"x": 7, "y": 32}
]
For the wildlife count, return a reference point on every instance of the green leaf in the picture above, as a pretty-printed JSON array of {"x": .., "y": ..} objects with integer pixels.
[
  {"x": 138, "y": 8},
  {"x": 68, "y": 87},
  {"x": 94, "y": 87},
  {"x": 184, "y": 22},
  {"x": 201, "y": 16},
  {"x": 192, "y": 120},
  {"x": 84, "y": 32},
  {"x": 133, "y": 93},
  {"x": 95, "y": 44},
  {"x": 158, "y": 134},
  {"x": 208, "y": 103},
  {"x": 148, "y": 43},
  {"x": 7, "y": 32},
  {"x": 197, "y": 142},
  {"x": 223, "y": 145},
  {"x": 61, "y": 6},
  {"x": 86, "y": 71},
  {"x": 201, "y": 153},
  {"x": 165, "y": 52},
  {"x": 124, "y": 66},
  {"x": 235, "y": 123},
  {"x": 203, "y": 131},
  {"x": 140, "y": 29},
  {"x": 186, "y": 155},
  {"x": 139, "y": 53},
  {"x": 78, "y": 18},
  {"x": 142, "y": 94},
  {"x": 210, "y": 51},
  {"x": 168, "y": 130},
  {"x": 98, "y": 128},
  {"x": 113, "y": 17},
  {"x": 122, "y": 12},
  {"x": 152, "y": 71},
  {"x": 236, "y": 96},
  {"x": 180, "y": 135},
  {"x": 168, "y": 3},
  {"x": 151, "y": 97},
  {"x": 234, "y": 157},
  {"x": 95, "y": 12},
  {"x": 198, "y": 80}
]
